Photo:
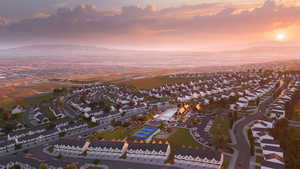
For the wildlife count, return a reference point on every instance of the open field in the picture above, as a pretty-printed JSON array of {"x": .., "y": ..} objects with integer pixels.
[
  {"x": 116, "y": 134},
  {"x": 181, "y": 137},
  {"x": 29, "y": 94},
  {"x": 221, "y": 127},
  {"x": 154, "y": 82}
]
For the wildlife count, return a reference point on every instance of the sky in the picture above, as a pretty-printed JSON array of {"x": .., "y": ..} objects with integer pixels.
[{"x": 151, "y": 24}]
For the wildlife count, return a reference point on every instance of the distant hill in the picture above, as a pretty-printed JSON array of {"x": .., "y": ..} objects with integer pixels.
[
  {"x": 92, "y": 55},
  {"x": 48, "y": 50}
]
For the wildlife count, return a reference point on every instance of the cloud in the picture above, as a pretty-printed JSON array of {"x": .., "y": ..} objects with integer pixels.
[
  {"x": 4, "y": 21},
  {"x": 41, "y": 15},
  {"x": 144, "y": 23}
]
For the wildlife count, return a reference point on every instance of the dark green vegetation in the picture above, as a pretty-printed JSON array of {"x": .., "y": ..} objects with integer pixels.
[
  {"x": 295, "y": 114},
  {"x": 289, "y": 139},
  {"x": 251, "y": 142},
  {"x": 293, "y": 108},
  {"x": 15, "y": 167},
  {"x": 225, "y": 163},
  {"x": 154, "y": 82}
]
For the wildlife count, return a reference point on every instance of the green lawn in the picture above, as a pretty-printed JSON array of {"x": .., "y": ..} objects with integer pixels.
[
  {"x": 116, "y": 134},
  {"x": 148, "y": 83},
  {"x": 181, "y": 137},
  {"x": 221, "y": 127}
]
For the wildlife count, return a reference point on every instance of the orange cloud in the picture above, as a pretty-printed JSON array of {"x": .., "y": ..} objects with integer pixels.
[{"x": 206, "y": 23}]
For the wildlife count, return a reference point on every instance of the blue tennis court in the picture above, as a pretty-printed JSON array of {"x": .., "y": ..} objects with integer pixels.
[{"x": 144, "y": 133}]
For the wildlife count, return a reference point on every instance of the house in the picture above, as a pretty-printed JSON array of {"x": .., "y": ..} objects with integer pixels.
[
  {"x": 38, "y": 137},
  {"x": 111, "y": 149},
  {"x": 73, "y": 127},
  {"x": 267, "y": 150},
  {"x": 106, "y": 118},
  {"x": 17, "y": 109},
  {"x": 56, "y": 112},
  {"x": 270, "y": 165},
  {"x": 41, "y": 118},
  {"x": 22, "y": 133},
  {"x": 152, "y": 152},
  {"x": 7, "y": 146},
  {"x": 70, "y": 146},
  {"x": 190, "y": 157}
]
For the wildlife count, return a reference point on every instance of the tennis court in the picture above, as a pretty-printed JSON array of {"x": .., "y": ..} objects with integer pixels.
[{"x": 144, "y": 133}]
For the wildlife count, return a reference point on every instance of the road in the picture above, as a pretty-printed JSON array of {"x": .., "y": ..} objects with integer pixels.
[
  {"x": 242, "y": 145},
  {"x": 37, "y": 154},
  {"x": 294, "y": 123}
]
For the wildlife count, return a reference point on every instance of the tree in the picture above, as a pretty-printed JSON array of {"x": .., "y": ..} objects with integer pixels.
[
  {"x": 162, "y": 125},
  {"x": 251, "y": 142},
  {"x": 15, "y": 167},
  {"x": 235, "y": 116},
  {"x": 123, "y": 114},
  {"x": 257, "y": 101},
  {"x": 231, "y": 122},
  {"x": 96, "y": 161},
  {"x": 219, "y": 141},
  {"x": 42, "y": 166},
  {"x": 59, "y": 156},
  {"x": 18, "y": 146},
  {"x": 50, "y": 149}
]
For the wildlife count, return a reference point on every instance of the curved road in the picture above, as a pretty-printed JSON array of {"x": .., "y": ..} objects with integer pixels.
[{"x": 244, "y": 155}]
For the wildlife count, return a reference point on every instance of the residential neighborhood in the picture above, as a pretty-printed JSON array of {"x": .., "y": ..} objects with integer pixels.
[{"x": 178, "y": 125}]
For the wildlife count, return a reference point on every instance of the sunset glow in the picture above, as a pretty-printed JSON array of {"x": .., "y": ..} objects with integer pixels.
[
  {"x": 147, "y": 25},
  {"x": 280, "y": 36},
  {"x": 149, "y": 84}
]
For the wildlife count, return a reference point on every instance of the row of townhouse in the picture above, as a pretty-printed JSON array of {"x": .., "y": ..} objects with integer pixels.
[
  {"x": 28, "y": 161},
  {"x": 155, "y": 152},
  {"x": 272, "y": 153},
  {"x": 30, "y": 137},
  {"x": 271, "y": 150},
  {"x": 277, "y": 109}
]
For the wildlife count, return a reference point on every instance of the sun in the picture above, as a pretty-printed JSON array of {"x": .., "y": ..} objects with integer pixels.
[{"x": 280, "y": 36}]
